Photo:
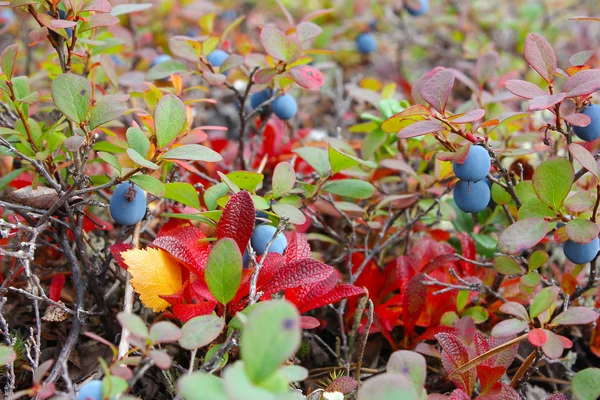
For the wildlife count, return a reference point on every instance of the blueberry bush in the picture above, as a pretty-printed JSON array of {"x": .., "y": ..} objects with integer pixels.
[{"x": 325, "y": 200}]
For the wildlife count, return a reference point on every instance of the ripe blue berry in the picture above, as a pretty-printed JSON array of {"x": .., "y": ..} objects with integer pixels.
[
  {"x": 260, "y": 97},
  {"x": 472, "y": 197},
  {"x": 217, "y": 57},
  {"x": 262, "y": 236},
  {"x": 285, "y": 107},
  {"x": 91, "y": 391},
  {"x": 161, "y": 58},
  {"x": 417, "y": 7},
  {"x": 128, "y": 204},
  {"x": 592, "y": 131},
  {"x": 366, "y": 43},
  {"x": 579, "y": 253},
  {"x": 476, "y": 166}
]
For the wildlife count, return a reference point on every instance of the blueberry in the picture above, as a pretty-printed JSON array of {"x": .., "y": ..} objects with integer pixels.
[
  {"x": 128, "y": 204},
  {"x": 245, "y": 260},
  {"x": 260, "y": 97},
  {"x": 366, "y": 43},
  {"x": 415, "y": 9},
  {"x": 91, "y": 391},
  {"x": 217, "y": 57},
  {"x": 161, "y": 58},
  {"x": 472, "y": 197},
  {"x": 476, "y": 166},
  {"x": 262, "y": 236},
  {"x": 579, "y": 253},
  {"x": 285, "y": 107},
  {"x": 592, "y": 131},
  {"x": 61, "y": 15}
]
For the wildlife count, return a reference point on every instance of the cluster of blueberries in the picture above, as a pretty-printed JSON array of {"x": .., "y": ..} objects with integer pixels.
[
  {"x": 366, "y": 42},
  {"x": 284, "y": 106},
  {"x": 472, "y": 193}
]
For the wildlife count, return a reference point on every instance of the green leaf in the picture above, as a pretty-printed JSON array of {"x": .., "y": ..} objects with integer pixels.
[
  {"x": 72, "y": 96},
  {"x": 238, "y": 385},
  {"x": 121, "y": 9},
  {"x": 289, "y": 211},
  {"x": 164, "y": 332},
  {"x": 340, "y": 161},
  {"x": 315, "y": 157},
  {"x": 507, "y": 266},
  {"x": 192, "y": 152},
  {"x": 372, "y": 142},
  {"x": 149, "y": 183},
  {"x": 138, "y": 141},
  {"x": 201, "y": 331},
  {"x": 499, "y": 195},
  {"x": 410, "y": 364},
  {"x": 140, "y": 160},
  {"x": 8, "y": 178},
  {"x": 582, "y": 230},
  {"x": 543, "y": 301},
  {"x": 246, "y": 180},
  {"x": 477, "y": 313},
  {"x": 552, "y": 181},
  {"x": 234, "y": 188},
  {"x": 537, "y": 259},
  {"x": 110, "y": 159},
  {"x": 7, "y": 355},
  {"x": 8, "y": 58},
  {"x": 353, "y": 188},
  {"x": 169, "y": 119},
  {"x": 388, "y": 386},
  {"x": 223, "y": 271},
  {"x": 113, "y": 385},
  {"x": 213, "y": 193},
  {"x": 531, "y": 279},
  {"x": 134, "y": 324},
  {"x": 522, "y": 235},
  {"x": 284, "y": 179},
  {"x": 105, "y": 110},
  {"x": 270, "y": 337},
  {"x": 201, "y": 386},
  {"x": 586, "y": 384},
  {"x": 208, "y": 217},
  {"x": 534, "y": 208},
  {"x": 183, "y": 193},
  {"x": 165, "y": 69},
  {"x": 280, "y": 46}
]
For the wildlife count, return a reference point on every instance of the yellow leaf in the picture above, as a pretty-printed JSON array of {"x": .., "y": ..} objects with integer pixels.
[{"x": 153, "y": 272}]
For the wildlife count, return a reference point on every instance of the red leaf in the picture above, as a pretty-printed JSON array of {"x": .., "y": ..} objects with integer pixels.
[
  {"x": 200, "y": 289},
  {"x": 581, "y": 79},
  {"x": 177, "y": 297},
  {"x": 537, "y": 337},
  {"x": 454, "y": 355},
  {"x": 420, "y": 128},
  {"x": 343, "y": 384},
  {"x": 500, "y": 391},
  {"x": 307, "y": 322},
  {"x": 468, "y": 251},
  {"x": 540, "y": 56},
  {"x": 418, "y": 85},
  {"x": 585, "y": 89},
  {"x": 473, "y": 115},
  {"x": 185, "y": 312},
  {"x": 298, "y": 247},
  {"x": 56, "y": 286},
  {"x": 297, "y": 273},
  {"x": 585, "y": 158},
  {"x": 338, "y": 293},
  {"x": 116, "y": 250},
  {"x": 264, "y": 75},
  {"x": 430, "y": 333},
  {"x": 545, "y": 101},
  {"x": 488, "y": 376},
  {"x": 557, "y": 396},
  {"x": 237, "y": 220},
  {"x": 524, "y": 89},
  {"x": 184, "y": 242},
  {"x": 308, "y": 77},
  {"x": 97, "y": 5},
  {"x": 437, "y": 89},
  {"x": 459, "y": 394},
  {"x": 578, "y": 119},
  {"x": 415, "y": 296},
  {"x": 280, "y": 46},
  {"x": 304, "y": 294}
]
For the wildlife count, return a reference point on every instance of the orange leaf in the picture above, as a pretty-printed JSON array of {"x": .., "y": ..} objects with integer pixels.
[{"x": 153, "y": 273}]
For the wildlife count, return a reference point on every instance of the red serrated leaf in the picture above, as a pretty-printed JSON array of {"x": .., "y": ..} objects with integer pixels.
[
  {"x": 420, "y": 128},
  {"x": 296, "y": 273},
  {"x": 307, "y": 322},
  {"x": 177, "y": 297},
  {"x": 454, "y": 355},
  {"x": 537, "y": 337},
  {"x": 116, "y": 250},
  {"x": 545, "y": 101},
  {"x": 341, "y": 291},
  {"x": 186, "y": 244},
  {"x": 437, "y": 89},
  {"x": 308, "y": 77},
  {"x": 415, "y": 296},
  {"x": 56, "y": 286},
  {"x": 524, "y": 89},
  {"x": 237, "y": 220},
  {"x": 458, "y": 394},
  {"x": 306, "y": 293},
  {"x": 578, "y": 119},
  {"x": 468, "y": 251},
  {"x": 185, "y": 312},
  {"x": 500, "y": 391},
  {"x": 557, "y": 396},
  {"x": 471, "y": 116},
  {"x": 201, "y": 291},
  {"x": 343, "y": 384},
  {"x": 488, "y": 376},
  {"x": 297, "y": 248},
  {"x": 540, "y": 56}
]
